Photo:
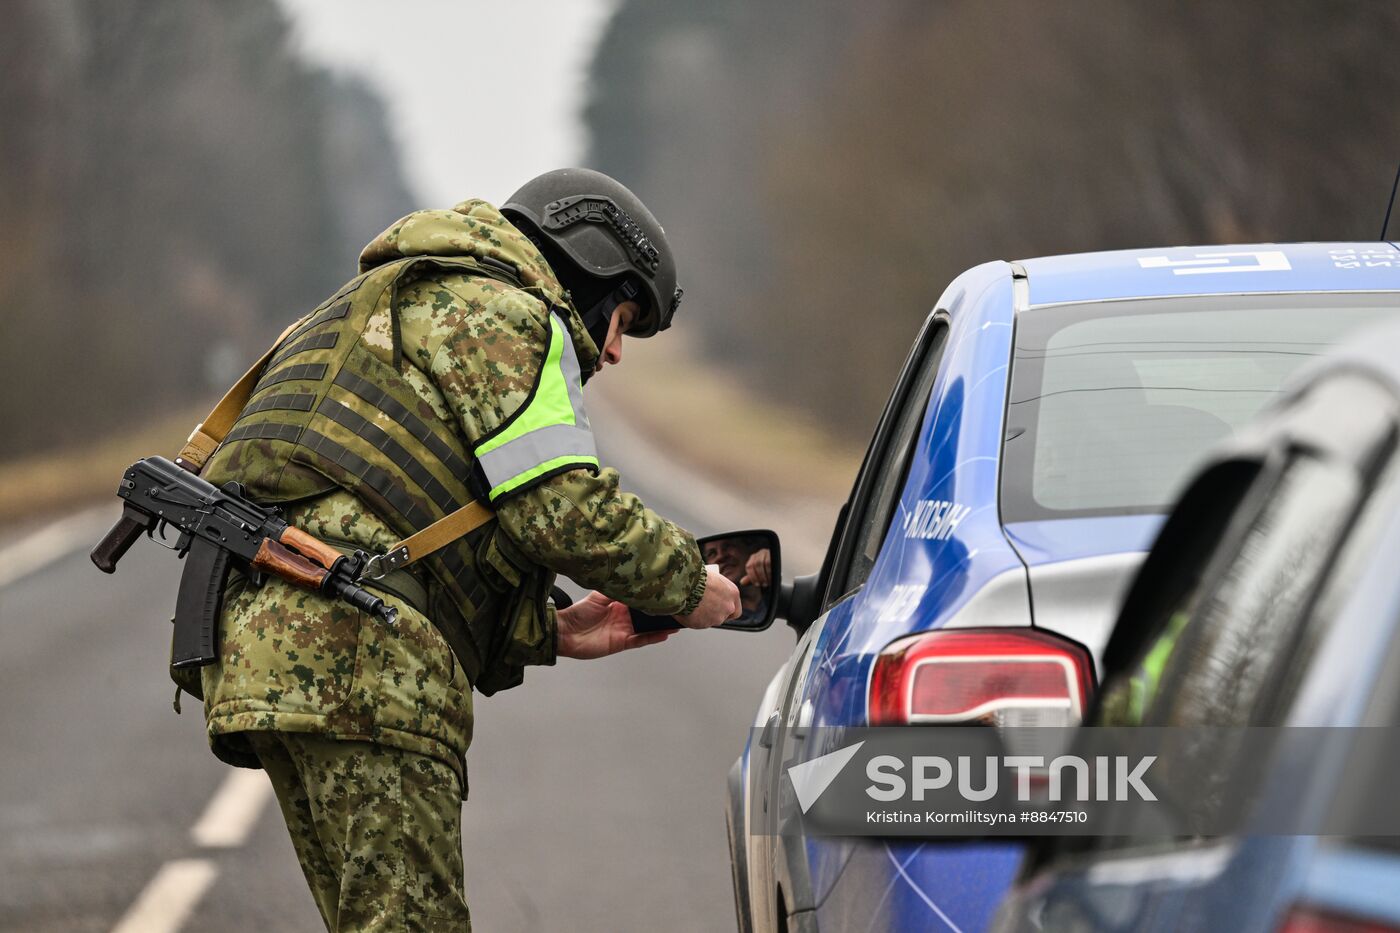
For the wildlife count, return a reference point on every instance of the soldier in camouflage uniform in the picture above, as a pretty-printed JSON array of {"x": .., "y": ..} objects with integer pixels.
[{"x": 453, "y": 336}]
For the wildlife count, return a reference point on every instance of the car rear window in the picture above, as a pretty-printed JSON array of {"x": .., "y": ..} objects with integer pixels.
[{"x": 1113, "y": 403}]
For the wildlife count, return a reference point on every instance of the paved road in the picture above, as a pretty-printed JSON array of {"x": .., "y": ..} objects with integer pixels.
[{"x": 596, "y": 788}]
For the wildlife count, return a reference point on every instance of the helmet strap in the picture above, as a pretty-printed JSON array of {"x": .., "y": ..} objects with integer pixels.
[{"x": 597, "y": 319}]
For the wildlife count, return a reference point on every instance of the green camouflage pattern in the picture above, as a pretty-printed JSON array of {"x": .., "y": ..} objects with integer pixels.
[
  {"x": 377, "y": 830},
  {"x": 471, "y": 347},
  {"x": 294, "y": 661},
  {"x": 583, "y": 527},
  {"x": 472, "y": 228}
]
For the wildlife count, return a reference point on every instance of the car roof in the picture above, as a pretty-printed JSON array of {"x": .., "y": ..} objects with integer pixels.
[{"x": 1212, "y": 270}]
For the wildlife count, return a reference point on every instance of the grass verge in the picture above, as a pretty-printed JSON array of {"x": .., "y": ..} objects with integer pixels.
[{"x": 52, "y": 482}]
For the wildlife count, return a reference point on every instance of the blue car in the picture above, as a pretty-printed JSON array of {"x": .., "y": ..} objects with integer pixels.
[
  {"x": 1046, "y": 416},
  {"x": 1269, "y": 599}
]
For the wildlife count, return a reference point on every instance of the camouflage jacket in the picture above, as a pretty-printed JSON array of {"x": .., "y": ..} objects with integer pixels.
[{"x": 472, "y": 348}]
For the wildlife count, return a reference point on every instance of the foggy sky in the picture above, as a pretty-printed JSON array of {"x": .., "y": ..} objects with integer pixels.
[{"x": 482, "y": 96}]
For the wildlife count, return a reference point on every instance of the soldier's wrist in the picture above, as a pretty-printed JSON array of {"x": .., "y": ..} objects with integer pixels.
[{"x": 697, "y": 592}]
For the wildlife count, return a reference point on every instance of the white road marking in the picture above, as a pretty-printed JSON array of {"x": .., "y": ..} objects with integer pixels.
[
  {"x": 170, "y": 898},
  {"x": 172, "y": 895},
  {"x": 233, "y": 810},
  {"x": 176, "y": 888},
  {"x": 53, "y": 542}
]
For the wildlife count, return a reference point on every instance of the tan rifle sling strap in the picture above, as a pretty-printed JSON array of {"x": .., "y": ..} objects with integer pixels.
[{"x": 210, "y": 433}]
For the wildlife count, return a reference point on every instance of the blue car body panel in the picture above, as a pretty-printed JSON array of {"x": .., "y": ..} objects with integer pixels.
[
  {"x": 905, "y": 885},
  {"x": 922, "y": 576}
]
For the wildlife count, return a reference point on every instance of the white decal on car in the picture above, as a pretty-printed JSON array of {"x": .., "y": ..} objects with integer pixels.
[
  {"x": 1264, "y": 260},
  {"x": 1368, "y": 257},
  {"x": 902, "y": 601},
  {"x": 934, "y": 519}
]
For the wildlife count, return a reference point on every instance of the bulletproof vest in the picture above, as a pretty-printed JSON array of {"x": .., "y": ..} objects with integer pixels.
[{"x": 313, "y": 424}]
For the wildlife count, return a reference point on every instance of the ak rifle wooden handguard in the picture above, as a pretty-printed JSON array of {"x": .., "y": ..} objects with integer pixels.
[
  {"x": 289, "y": 565},
  {"x": 313, "y": 549}
]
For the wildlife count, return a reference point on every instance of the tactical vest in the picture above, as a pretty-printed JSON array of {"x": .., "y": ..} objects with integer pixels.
[{"x": 331, "y": 411}]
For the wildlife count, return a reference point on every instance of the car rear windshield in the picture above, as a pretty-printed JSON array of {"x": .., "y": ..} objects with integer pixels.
[{"x": 1113, "y": 403}]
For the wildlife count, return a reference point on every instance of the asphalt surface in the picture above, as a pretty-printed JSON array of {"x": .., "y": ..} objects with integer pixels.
[{"x": 596, "y": 788}]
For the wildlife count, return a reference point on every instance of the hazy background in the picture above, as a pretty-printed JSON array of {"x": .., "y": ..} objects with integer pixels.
[
  {"x": 176, "y": 178},
  {"x": 180, "y": 178}
]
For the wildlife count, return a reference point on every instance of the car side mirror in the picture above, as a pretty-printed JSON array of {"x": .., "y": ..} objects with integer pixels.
[
  {"x": 752, "y": 560},
  {"x": 799, "y": 602}
]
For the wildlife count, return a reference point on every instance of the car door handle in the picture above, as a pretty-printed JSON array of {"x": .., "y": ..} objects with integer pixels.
[{"x": 765, "y": 738}]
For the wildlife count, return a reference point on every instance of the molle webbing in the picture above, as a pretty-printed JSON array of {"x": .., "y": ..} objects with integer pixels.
[
  {"x": 306, "y": 372},
  {"x": 295, "y": 401},
  {"x": 400, "y": 456},
  {"x": 265, "y": 430},
  {"x": 378, "y": 398},
  {"x": 334, "y": 313},
  {"x": 206, "y": 437},
  {"x": 318, "y": 342}
]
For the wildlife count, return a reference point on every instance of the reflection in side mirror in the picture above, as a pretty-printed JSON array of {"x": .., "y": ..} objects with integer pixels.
[{"x": 751, "y": 560}]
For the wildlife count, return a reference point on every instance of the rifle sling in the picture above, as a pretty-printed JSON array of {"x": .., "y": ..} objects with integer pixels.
[
  {"x": 210, "y": 433},
  {"x": 440, "y": 533}
]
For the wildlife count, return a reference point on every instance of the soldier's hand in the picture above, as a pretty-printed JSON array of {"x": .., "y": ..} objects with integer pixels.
[
  {"x": 596, "y": 626},
  {"x": 720, "y": 603}
]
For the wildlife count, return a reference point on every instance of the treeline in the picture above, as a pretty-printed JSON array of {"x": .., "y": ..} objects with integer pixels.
[
  {"x": 826, "y": 167},
  {"x": 173, "y": 183}
]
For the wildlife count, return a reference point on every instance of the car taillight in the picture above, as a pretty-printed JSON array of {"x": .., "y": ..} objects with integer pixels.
[
  {"x": 1000, "y": 677},
  {"x": 1308, "y": 920}
]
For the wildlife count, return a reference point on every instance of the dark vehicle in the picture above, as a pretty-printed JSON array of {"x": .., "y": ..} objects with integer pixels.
[{"x": 1271, "y": 598}]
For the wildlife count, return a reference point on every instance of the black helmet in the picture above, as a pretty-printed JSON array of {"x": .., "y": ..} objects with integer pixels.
[{"x": 603, "y": 243}]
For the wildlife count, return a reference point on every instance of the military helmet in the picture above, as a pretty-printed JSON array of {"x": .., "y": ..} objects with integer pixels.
[{"x": 603, "y": 243}]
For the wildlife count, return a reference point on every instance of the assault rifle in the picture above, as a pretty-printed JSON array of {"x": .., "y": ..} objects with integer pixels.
[{"x": 215, "y": 525}]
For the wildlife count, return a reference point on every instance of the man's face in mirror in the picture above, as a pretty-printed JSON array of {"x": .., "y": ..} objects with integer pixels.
[{"x": 729, "y": 554}]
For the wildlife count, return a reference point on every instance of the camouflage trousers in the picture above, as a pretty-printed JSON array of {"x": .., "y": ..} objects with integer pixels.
[{"x": 378, "y": 831}]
